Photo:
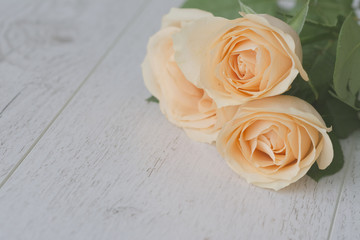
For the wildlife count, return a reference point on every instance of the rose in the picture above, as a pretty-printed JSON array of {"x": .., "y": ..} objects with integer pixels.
[
  {"x": 184, "y": 104},
  {"x": 273, "y": 142},
  {"x": 239, "y": 60}
]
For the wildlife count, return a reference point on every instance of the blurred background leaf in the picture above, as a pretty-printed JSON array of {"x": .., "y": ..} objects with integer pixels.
[
  {"x": 298, "y": 21},
  {"x": 224, "y": 8},
  {"x": 246, "y": 9},
  {"x": 347, "y": 67}
]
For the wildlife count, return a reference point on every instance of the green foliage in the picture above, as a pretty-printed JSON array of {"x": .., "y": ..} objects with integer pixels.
[
  {"x": 319, "y": 62},
  {"x": 347, "y": 70},
  {"x": 152, "y": 99},
  {"x": 319, "y": 52},
  {"x": 343, "y": 119},
  {"x": 301, "y": 89},
  {"x": 297, "y": 22},
  {"x": 323, "y": 12},
  {"x": 222, "y": 8},
  {"x": 246, "y": 9},
  {"x": 335, "y": 166},
  {"x": 263, "y": 6}
]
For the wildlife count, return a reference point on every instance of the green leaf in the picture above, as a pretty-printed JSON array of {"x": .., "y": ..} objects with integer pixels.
[
  {"x": 224, "y": 8},
  {"x": 347, "y": 70},
  {"x": 345, "y": 7},
  {"x": 246, "y": 9},
  {"x": 343, "y": 119},
  {"x": 297, "y": 22},
  {"x": 152, "y": 99},
  {"x": 335, "y": 166},
  {"x": 262, "y": 6},
  {"x": 302, "y": 89},
  {"x": 319, "y": 54},
  {"x": 323, "y": 12},
  {"x": 319, "y": 63}
]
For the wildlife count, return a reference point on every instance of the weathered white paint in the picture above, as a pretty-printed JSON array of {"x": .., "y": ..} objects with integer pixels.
[
  {"x": 346, "y": 223},
  {"x": 112, "y": 167},
  {"x": 47, "y": 49}
]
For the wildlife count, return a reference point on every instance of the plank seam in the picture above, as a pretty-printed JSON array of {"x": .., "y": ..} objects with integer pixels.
[
  {"x": 112, "y": 45},
  {"x": 9, "y": 103},
  {"x": 341, "y": 191}
]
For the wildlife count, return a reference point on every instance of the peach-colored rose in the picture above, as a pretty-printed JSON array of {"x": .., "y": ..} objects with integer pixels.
[
  {"x": 184, "y": 104},
  {"x": 239, "y": 60},
  {"x": 273, "y": 142}
]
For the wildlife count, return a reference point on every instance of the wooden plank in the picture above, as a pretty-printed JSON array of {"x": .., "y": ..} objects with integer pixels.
[
  {"x": 346, "y": 223},
  {"x": 8, "y": 11},
  {"x": 111, "y": 166},
  {"x": 47, "y": 50}
]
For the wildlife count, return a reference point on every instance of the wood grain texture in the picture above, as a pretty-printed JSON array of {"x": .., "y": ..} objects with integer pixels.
[
  {"x": 47, "y": 49},
  {"x": 112, "y": 167},
  {"x": 347, "y": 219}
]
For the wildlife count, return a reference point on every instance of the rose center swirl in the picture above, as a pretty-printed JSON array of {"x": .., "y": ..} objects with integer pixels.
[
  {"x": 267, "y": 143},
  {"x": 243, "y": 64}
]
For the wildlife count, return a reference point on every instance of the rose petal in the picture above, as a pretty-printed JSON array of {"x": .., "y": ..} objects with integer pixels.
[
  {"x": 178, "y": 17},
  {"x": 192, "y": 43}
]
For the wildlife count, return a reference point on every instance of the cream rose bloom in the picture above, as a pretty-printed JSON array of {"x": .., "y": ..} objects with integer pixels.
[
  {"x": 184, "y": 104},
  {"x": 273, "y": 142},
  {"x": 239, "y": 60}
]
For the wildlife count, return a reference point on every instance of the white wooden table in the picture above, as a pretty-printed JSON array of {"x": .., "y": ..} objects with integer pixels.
[{"x": 84, "y": 156}]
